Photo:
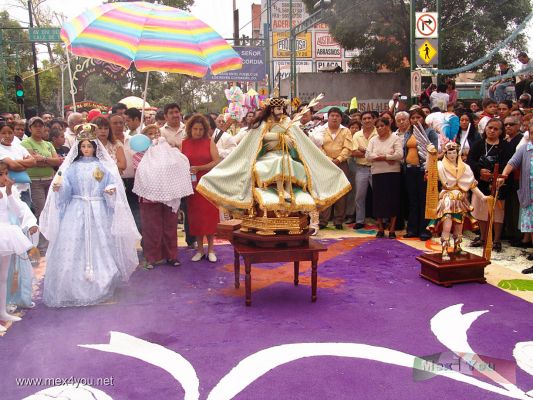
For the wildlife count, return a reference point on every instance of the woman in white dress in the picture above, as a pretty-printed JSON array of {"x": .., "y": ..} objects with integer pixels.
[{"x": 90, "y": 228}]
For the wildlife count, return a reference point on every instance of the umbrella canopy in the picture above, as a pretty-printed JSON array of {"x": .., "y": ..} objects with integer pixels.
[
  {"x": 152, "y": 36},
  {"x": 134, "y": 102},
  {"x": 326, "y": 109}
]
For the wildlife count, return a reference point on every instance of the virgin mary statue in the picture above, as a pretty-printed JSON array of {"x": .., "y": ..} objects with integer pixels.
[{"x": 90, "y": 227}]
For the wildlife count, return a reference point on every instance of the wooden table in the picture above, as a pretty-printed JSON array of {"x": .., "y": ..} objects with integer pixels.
[{"x": 253, "y": 255}]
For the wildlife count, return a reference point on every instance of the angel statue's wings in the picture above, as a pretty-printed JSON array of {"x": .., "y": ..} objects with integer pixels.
[
  {"x": 430, "y": 163},
  {"x": 422, "y": 140}
]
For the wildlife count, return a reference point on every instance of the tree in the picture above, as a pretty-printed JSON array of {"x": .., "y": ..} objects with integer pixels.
[
  {"x": 192, "y": 94},
  {"x": 49, "y": 70},
  {"x": 43, "y": 17},
  {"x": 380, "y": 29},
  {"x": 50, "y": 85},
  {"x": 15, "y": 59}
]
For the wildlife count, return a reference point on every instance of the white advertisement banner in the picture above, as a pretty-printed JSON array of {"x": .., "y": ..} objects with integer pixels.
[
  {"x": 328, "y": 64},
  {"x": 280, "y": 14},
  {"x": 326, "y": 46},
  {"x": 373, "y": 104},
  {"x": 283, "y": 68}
]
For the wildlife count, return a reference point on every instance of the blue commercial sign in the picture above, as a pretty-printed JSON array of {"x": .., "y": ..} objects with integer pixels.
[{"x": 253, "y": 67}]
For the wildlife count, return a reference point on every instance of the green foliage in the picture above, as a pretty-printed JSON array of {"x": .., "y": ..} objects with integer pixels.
[
  {"x": 104, "y": 90},
  {"x": 15, "y": 59},
  {"x": 517, "y": 284},
  {"x": 380, "y": 29},
  {"x": 191, "y": 93},
  {"x": 50, "y": 85}
]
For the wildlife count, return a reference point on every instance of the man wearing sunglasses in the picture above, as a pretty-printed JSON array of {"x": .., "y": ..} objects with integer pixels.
[
  {"x": 512, "y": 207},
  {"x": 512, "y": 131}
]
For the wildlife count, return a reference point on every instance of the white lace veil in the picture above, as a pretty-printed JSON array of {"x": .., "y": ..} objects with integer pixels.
[{"x": 124, "y": 232}]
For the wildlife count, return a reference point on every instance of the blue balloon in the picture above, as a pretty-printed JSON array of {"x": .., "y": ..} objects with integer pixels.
[{"x": 140, "y": 142}]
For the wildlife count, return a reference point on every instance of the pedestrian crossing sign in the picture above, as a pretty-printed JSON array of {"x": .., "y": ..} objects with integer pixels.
[{"x": 427, "y": 52}]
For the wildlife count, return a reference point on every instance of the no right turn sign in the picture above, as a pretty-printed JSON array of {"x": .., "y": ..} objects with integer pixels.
[{"x": 427, "y": 25}]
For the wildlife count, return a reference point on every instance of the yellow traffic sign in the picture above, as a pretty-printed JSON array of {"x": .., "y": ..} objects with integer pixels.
[
  {"x": 427, "y": 52},
  {"x": 296, "y": 103}
]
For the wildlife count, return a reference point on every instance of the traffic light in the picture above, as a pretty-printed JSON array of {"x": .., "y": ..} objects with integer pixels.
[{"x": 19, "y": 89}]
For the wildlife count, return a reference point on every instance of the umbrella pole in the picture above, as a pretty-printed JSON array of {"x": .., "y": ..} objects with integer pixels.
[
  {"x": 71, "y": 80},
  {"x": 144, "y": 96}
]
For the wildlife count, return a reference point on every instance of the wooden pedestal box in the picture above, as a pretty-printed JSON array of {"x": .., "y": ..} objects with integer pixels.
[{"x": 464, "y": 267}]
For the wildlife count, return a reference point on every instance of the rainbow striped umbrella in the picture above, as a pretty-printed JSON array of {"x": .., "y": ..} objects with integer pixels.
[{"x": 152, "y": 36}]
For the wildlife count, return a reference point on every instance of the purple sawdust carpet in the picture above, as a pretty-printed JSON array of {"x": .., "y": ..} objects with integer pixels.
[{"x": 369, "y": 294}]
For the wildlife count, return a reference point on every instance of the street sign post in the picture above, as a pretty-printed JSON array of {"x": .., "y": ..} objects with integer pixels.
[
  {"x": 308, "y": 23},
  {"x": 44, "y": 34},
  {"x": 427, "y": 25},
  {"x": 313, "y": 19}
]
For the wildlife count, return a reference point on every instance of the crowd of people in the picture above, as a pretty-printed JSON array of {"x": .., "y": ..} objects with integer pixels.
[
  {"x": 88, "y": 167},
  {"x": 387, "y": 167}
]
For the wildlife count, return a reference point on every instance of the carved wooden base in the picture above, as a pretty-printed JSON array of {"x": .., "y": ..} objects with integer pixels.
[
  {"x": 273, "y": 241},
  {"x": 268, "y": 226},
  {"x": 225, "y": 229},
  {"x": 464, "y": 267}
]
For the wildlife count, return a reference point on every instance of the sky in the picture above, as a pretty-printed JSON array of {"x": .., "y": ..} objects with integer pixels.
[{"x": 216, "y": 13}]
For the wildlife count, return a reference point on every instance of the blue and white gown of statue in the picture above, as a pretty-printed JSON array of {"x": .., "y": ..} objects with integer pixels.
[{"x": 81, "y": 261}]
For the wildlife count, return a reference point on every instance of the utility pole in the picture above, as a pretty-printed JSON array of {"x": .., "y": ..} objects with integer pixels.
[
  {"x": 266, "y": 41},
  {"x": 439, "y": 53},
  {"x": 235, "y": 24},
  {"x": 412, "y": 42},
  {"x": 292, "y": 49},
  {"x": 269, "y": 48},
  {"x": 318, "y": 16},
  {"x": 35, "y": 69}
]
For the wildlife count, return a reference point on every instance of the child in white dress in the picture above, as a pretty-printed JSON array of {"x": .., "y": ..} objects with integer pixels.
[{"x": 12, "y": 239}]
